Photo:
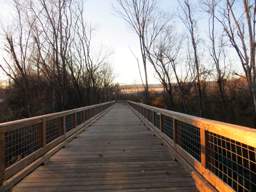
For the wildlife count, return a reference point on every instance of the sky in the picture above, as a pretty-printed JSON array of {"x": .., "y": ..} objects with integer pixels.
[
  {"x": 116, "y": 36},
  {"x": 111, "y": 34}
]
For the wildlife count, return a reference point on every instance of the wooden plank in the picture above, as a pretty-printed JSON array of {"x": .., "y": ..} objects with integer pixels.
[{"x": 117, "y": 153}]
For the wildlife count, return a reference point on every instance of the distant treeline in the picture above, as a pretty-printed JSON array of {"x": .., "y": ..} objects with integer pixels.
[
  {"x": 50, "y": 61},
  {"x": 200, "y": 41},
  {"x": 237, "y": 109}
]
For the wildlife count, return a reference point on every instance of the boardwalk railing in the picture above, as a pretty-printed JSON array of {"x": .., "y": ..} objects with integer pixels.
[
  {"x": 24, "y": 142},
  {"x": 222, "y": 155}
]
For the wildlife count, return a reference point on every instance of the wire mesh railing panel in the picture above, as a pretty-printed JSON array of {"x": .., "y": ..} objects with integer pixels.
[
  {"x": 157, "y": 120},
  {"x": 226, "y": 152},
  {"x": 89, "y": 113},
  {"x": 21, "y": 142},
  {"x": 150, "y": 115},
  {"x": 70, "y": 122},
  {"x": 79, "y": 118},
  {"x": 54, "y": 129},
  {"x": 92, "y": 112},
  {"x": 233, "y": 162},
  {"x": 167, "y": 126},
  {"x": 85, "y": 115},
  {"x": 188, "y": 137}
]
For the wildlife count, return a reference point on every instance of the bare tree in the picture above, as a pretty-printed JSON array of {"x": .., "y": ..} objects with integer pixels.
[
  {"x": 239, "y": 25},
  {"x": 217, "y": 50},
  {"x": 159, "y": 44},
  {"x": 161, "y": 53},
  {"x": 18, "y": 46},
  {"x": 52, "y": 45},
  {"x": 191, "y": 25},
  {"x": 55, "y": 21},
  {"x": 139, "y": 14}
]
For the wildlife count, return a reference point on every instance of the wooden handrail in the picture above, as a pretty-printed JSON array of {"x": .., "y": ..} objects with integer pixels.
[
  {"x": 50, "y": 115},
  {"x": 24, "y": 141},
  {"x": 242, "y": 134},
  {"x": 226, "y": 152}
]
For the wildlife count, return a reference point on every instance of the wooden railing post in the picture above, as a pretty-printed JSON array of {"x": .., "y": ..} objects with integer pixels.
[
  {"x": 161, "y": 121},
  {"x": 44, "y": 142},
  {"x": 153, "y": 120},
  {"x": 75, "y": 120},
  {"x": 174, "y": 135},
  {"x": 174, "y": 132},
  {"x": 203, "y": 146},
  {"x": 84, "y": 118},
  {"x": 64, "y": 125},
  {"x": 2, "y": 157}
]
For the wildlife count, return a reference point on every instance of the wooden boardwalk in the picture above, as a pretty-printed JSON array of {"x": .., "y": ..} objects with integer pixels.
[{"x": 117, "y": 153}]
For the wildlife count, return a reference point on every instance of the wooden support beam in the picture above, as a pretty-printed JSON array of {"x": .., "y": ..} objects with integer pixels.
[
  {"x": 44, "y": 137},
  {"x": 2, "y": 157},
  {"x": 161, "y": 121},
  {"x": 203, "y": 146},
  {"x": 174, "y": 134},
  {"x": 75, "y": 120},
  {"x": 44, "y": 141},
  {"x": 153, "y": 120},
  {"x": 174, "y": 131},
  {"x": 64, "y": 125}
]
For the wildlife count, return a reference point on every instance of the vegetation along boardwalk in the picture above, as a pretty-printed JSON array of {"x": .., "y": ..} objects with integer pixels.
[{"x": 117, "y": 153}]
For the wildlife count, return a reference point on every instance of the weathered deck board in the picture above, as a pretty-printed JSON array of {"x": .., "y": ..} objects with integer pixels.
[{"x": 117, "y": 153}]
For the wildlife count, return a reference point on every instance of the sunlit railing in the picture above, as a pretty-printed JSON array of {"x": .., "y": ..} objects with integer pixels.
[
  {"x": 22, "y": 142},
  {"x": 222, "y": 154}
]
